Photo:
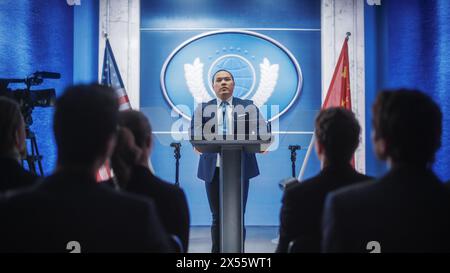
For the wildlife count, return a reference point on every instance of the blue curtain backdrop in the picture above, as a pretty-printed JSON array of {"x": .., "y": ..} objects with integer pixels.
[
  {"x": 85, "y": 42},
  {"x": 40, "y": 35},
  {"x": 408, "y": 45}
]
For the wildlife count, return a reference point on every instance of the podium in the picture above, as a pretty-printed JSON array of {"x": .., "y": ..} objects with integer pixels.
[{"x": 231, "y": 178}]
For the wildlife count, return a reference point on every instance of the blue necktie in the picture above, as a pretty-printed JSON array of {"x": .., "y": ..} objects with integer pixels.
[{"x": 224, "y": 105}]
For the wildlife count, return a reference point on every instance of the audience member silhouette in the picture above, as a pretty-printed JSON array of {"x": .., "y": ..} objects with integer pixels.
[
  {"x": 12, "y": 147},
  {"x": 69, "y": 210},
  {"x": 137, "y": 178},
  {"x": 406, "y": 210},
  {"x": 337, "y": 136},
  {"x": 125, "y": 156}
]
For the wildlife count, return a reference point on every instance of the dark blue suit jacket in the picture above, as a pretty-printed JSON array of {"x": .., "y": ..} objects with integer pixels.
[
  {"x": 13, "y": 176},
  {"x": 208, "y": 161},
  {"x": 301, "y": 213},
  {"x": 407, "y": 210},
  {"x": 71, "y": 206}
]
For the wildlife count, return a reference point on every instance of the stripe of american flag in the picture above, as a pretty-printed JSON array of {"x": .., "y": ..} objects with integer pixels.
[{"x": 124, "y": 101}]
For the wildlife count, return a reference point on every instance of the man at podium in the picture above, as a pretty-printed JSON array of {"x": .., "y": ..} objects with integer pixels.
[{"x": 229, "y": 118}]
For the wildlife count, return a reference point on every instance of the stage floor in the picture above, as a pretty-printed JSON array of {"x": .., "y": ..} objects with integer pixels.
[{"x": 260, "y": 239}]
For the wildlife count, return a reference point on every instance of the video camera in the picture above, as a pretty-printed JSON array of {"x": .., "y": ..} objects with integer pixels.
[{"x": 27, "y": 98}]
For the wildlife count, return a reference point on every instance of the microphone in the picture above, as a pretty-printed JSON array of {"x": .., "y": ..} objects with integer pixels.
[
  {"x": 47, "y": 75},
  {"x": 176, "y": 145},
  {"x": 293, "y": 148}
]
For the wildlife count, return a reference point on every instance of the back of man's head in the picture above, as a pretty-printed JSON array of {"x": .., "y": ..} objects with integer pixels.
[
  {"x": 337, "y": 130},
  {"x": 138, "y": 124},
  {"x": 86, "y": 118},
  {"x": 410, "y": 123},
  {"x": 10, "y": 122}
]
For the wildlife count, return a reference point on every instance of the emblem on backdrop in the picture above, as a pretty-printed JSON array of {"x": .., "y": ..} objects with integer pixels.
[{"x": 263, "y": 69}]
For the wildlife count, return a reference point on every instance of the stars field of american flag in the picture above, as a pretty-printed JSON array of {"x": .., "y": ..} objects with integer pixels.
[{"x": 111, "y": 77}]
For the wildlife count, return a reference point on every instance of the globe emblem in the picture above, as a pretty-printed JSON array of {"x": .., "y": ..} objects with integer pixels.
[
  {"x": 264, "y": 71},
  {"x": 242, "y": 71}
]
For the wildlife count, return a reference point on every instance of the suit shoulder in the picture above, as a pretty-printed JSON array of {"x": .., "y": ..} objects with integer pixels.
[
  {"x": 304, "y": 187},
  {"x": 124, "y": 199},
  {"x": 312, "y": 183},
  {"x": 363, "y": 177},
  {"x": 168, "y": 187},
  {"x": 242, "y": 101},
  {"x": 202, "y": 105},
  {"x": 355, "y": 193},
  {"x": 22, "y": 195}
]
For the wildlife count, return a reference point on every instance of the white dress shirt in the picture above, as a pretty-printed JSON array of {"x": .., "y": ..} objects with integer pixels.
[{"x": 229, "y": 113}]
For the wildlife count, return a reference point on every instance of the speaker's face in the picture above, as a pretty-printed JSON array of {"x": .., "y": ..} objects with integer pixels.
[{"x": 223, "y": 85}]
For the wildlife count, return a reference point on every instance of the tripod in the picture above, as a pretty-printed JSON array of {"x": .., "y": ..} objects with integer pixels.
[
  {"x": 34, "y": 156},
  {"x": 286, "y": 183},
  {"x": 28, "y": 99},
  {"x": 177, "y": 155}
]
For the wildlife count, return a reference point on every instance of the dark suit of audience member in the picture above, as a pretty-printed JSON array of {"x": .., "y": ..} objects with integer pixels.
[
  {"x": 73, "y": 207},
  {"x": 13, "y": 176},
  {"x": 408, "y": 209},
  {"x": 130, "y": 163},
  {"x": 69, "y": 210},
  {"x": 301, "y": 212},
  {"x": 170, "y": 201},
  {"x": 12, "y": 148}
]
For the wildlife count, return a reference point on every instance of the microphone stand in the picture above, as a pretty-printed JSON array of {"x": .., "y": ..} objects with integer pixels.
[
  {"x": 294, "y": 148},
  {"x": 177, "y": 155},
  {"x": 285, "y": 183}
]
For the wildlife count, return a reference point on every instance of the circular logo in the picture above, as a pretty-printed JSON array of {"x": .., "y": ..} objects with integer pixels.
[
  {"x": 264, "y": 71},
  {"x": 243, "y": 72}
]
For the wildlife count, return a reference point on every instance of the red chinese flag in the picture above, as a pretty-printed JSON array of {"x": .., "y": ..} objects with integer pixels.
[{"x": 338, "y": 94}]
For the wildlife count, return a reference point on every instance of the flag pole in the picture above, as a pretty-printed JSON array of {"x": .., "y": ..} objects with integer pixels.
[
  {"x": 313, "y": 138},
  {"x": 107, "y": 19},
  {"x": 305, "y": 161},
  {"x": 347, "y": 35}
]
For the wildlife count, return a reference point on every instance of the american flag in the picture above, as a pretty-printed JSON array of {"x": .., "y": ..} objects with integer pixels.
[{"x": 111, "y": 77}]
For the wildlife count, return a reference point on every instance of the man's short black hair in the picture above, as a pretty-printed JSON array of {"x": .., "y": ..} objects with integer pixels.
[
  {"x": 138, "y": 124},
  {"x": 221, "y": 70},
  {"x": 410, "y": 123},
  {"x": 86, "y": 117},
  {"x": 338, "y": 131}
]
